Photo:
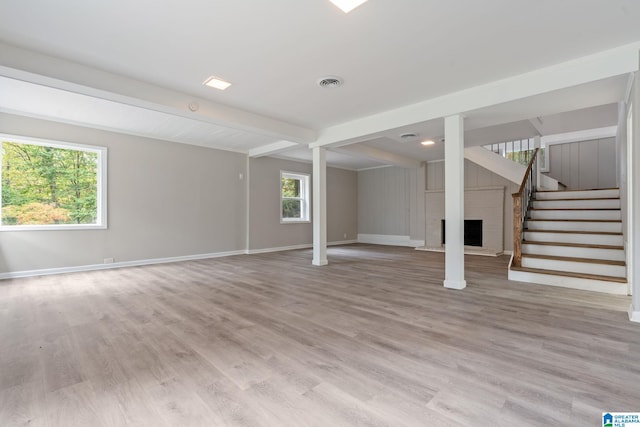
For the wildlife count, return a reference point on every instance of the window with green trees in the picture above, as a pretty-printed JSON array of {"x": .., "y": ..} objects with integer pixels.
[
  {"x": 294, "y": 197},
  {"x": 51, "y": 184}
]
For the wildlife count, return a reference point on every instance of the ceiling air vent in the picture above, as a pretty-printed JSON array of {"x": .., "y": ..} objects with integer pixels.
[
  {"x": 330, "y": 82},
  {"x": 409, "y": 135}
]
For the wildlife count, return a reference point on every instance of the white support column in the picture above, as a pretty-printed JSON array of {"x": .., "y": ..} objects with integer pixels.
[
  {"x": 633, "y": 180},
  {"x": 319, "y": 206},
  {"x": 454, "y": 202}
]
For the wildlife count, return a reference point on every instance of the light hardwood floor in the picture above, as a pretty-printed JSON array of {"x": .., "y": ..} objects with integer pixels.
[{"x": 372, "y": 339}]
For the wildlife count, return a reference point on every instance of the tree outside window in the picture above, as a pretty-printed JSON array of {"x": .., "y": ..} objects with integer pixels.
[
  {"x": 294, "y": 197},
  {"x": 49, "y": 185}
]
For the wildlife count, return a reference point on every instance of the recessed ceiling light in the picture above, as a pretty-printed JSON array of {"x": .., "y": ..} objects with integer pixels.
[
  {"x": 347, "y": 5},
  {"x": 216, "y": 82},
  {"x": 427, "y": 142}
]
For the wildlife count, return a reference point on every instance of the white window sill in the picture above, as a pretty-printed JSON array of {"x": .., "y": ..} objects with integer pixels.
[
  {"x": 60, "y": 227},
  {"x": 295, "y": 221}
]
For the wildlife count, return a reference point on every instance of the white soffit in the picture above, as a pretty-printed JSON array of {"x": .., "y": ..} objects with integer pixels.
[
  {"x": 334, "y": 159},
  {"x": 38, "y": 101}
]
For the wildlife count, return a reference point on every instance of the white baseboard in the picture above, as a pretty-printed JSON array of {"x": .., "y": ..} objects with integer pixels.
[
  {"x": 279, "y": 249},
  {"x": 293, "y": 247},
  {"x": 634, "y": 315},
  {"x": 342, "y": 242},
  {"x": 389, "y": 240},
  {"x": 137, "y": 263},
  {"x": 92, "y": 267},
  {"x": 467, "y": 251},
  {"x": 416, "y": 243}
]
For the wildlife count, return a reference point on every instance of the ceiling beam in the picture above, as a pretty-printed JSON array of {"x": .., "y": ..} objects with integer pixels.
[
  {"x": 379, "y": 155},
  {"x": 273, "y": 148},
  {"x": 603, "y": 65},
  {"x": 29, "y": 66}
]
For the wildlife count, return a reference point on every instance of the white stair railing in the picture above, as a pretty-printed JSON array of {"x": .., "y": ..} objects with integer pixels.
[{"x": 520, "y": 151}]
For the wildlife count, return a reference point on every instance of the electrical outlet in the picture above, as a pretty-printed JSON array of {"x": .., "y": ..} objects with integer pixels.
[
  {"x": 345, "y": 235},
  {"x": 108, "y": 260}
]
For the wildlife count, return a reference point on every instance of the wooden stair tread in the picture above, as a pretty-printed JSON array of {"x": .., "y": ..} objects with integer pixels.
[
  {"x": 609, "y": 233},
  {"x": 571, "y": 259},
  {"x": 577, "y": 199},
  {"x": 569, "y": 191},
  {"x": 574, "y": 209},
  {"x": 573, "y": 245},
  {"x": 577, "y": 220},
  {"x": 570, "y": 274}
]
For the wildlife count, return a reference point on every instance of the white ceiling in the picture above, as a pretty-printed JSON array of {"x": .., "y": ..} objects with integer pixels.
[{"x": 390, "y": 54}]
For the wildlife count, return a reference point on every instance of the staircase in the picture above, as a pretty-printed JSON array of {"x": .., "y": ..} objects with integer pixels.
[{"x": 574, "y": 239}]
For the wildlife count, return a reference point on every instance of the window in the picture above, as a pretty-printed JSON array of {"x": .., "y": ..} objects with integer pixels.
[
  {"x": 543, "y": 157},
  {"x": 294, "y": 197},
  {"x": 49, "y": 185}
]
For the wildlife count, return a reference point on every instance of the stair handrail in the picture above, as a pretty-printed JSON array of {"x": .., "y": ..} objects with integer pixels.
[{"x": 521, "y": 201}]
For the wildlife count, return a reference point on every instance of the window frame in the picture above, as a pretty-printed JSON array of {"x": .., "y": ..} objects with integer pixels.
[
  {"x": 545, "y": 155},
  {"x": 101, "y": 183},
  {"x": 305, "y": 197}
]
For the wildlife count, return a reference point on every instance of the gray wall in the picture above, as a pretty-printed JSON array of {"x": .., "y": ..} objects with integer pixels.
[
  {"x": 265, "y": 229},
  {"x": 174, "y": 200},
  {"x": 391, "y": 202},
  {"x": 585, "y": 164},
  {"x": 477, "y": 177},
  {"x": 164, "y": 200}
]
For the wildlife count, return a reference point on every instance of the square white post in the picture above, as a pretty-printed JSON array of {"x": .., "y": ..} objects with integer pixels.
[
  {"x": 319, "y": 206},
  {"x": 454, "y": 202}
]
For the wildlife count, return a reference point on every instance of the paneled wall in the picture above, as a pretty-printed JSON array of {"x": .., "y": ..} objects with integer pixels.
[
  {"x": 383, "y": 201},
  {"x": 585, "y": 164},
  {"x": 391, "y": 202}
]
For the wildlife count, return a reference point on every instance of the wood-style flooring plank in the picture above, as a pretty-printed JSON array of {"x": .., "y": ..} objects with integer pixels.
[{"x": 372, "y": 339}]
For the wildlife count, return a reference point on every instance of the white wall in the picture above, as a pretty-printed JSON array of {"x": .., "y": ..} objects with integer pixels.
[
  {"x": 634, "y": 185},
  {"x": 168, "y": 200},
  {"x": 164, "y": 200},
  {"x": 584, "y": 164},
  {"x": 622, "y": 176}
]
